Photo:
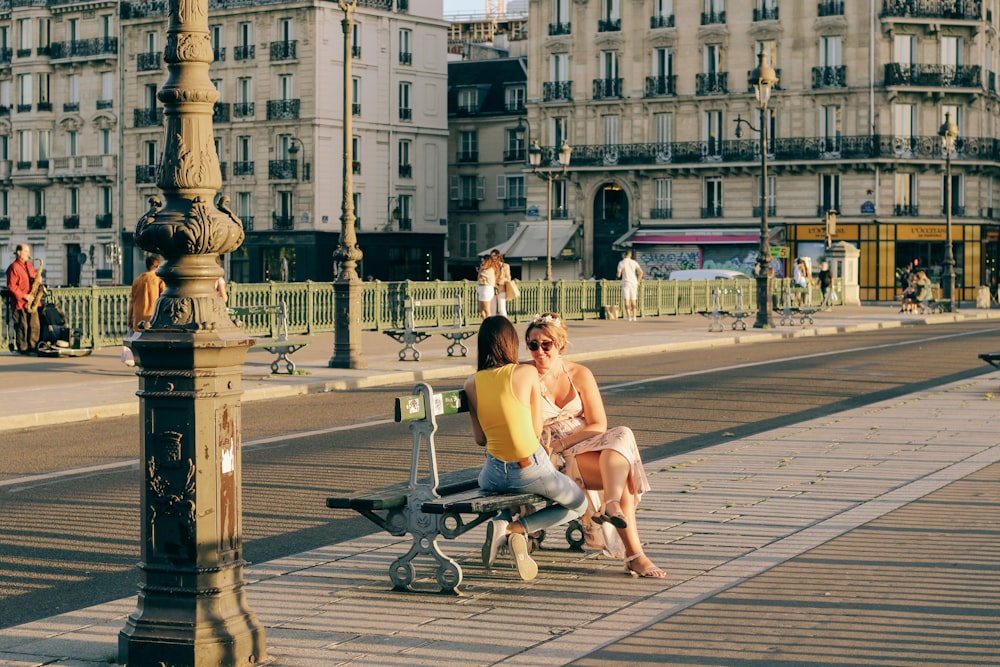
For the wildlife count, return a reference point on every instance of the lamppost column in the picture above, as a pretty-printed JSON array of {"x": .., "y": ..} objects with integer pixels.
[
  {"x": 763, "y": 320},
  {"x": 192, "y": 608},
  {"x": 548, "y": 231},
  {"x": 949, "y": 245},
  {"x": 347, "y": 352}
]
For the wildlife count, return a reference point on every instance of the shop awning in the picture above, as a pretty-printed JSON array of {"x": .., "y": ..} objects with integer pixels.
[
  {"x": 529, "y": 240},
  {"x": 675, "y": 236}
]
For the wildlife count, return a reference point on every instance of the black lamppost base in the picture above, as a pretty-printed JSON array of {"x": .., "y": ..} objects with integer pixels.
[{"x": 763, "y": 320}]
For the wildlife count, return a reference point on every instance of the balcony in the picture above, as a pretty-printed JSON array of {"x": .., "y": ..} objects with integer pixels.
[
  {"x": 283, "y": 50},
  {"x": 247, "y": 221},
  {"x": 713, "y": 211},
  {"x": 71, "y": 107},
  {"x": 829, "y": 77},
  {"x": 661, "y": 86},
  {"x": 765, "y": 14},
  {"x": 282, "y": 109},
  {"x": 406, "y": 171},
  {"x": 956, "y": 209},
  {"x": 24, "y": 53},
  {"x": 906, "y": 210},
  {"x": 355, "y": 167},
  {"x": 405, "y": 58},
  {"x": 23, "y": 108},
  {"x": 220, "y": 112},
  {"x": 355, "y": 108},
  {"x": 145, "y": 173},
  {"x": 557, "y": 90},
  {"x": 405, "y": 113},
  {"x": 4, "y": 110},
  {"x": 514, "y": 155},
  {"x": 609, "y": 25},
  {"x": 559, "y": 29},
  {"x": 243, "y": 110},
  {"x": 772, "y": 210},
  {"x": 282, "y": 170},
  {"x": 244, "y": 52},
  {"x": 4, "y": 223},
  {"x": 932, "y": 76},
  {"x": 71, "y": 222},
  {"x": 467, "y": 157},
  {"x": 147, "y": 62},
  {"x": 6, "y": 55},
  {"x": 656, "y": 22},
  {"x": 44, "y": 106},
  {"x": 969, "y": 10},
  {"x": 36, "y": 222},
  {"x": 219, "y": 54},
  {"x": 711, "y": 84},
  {"x": 607, "y": 89},
  {"x": 77, "y": 168},
  {"x": 85, "y": 49},
  {"x": 830, "y": 8},
  {"x": 283, "y": 222},
  {"x": 104, "y": 104},
  {"x": 243, "y": 169},
  {"x": 43, "y": 50},
  {"x": 661, "y": 213},
  {"x": 355, "y": 51},
  {"x": 713, "y": 18},
  {"x": 103, "y": 220},
  {"x": 147, "y": 117}
]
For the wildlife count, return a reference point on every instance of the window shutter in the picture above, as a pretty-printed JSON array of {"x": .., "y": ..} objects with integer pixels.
[
  {"x": 480, "y": 188},
  {"x": 501, "y": 187},
  {"x": 454, "y": 188}
]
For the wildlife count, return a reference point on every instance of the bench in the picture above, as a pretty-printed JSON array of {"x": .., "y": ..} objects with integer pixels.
[
  {"x": 281, "y": 345},
  {"x": 804, "y": 313},
  {"x": 448, "y": 311},
  {"x": 739, "y": 313},
  {"x": 992, "y": 358},
  {"x": 432, "y": 505}
]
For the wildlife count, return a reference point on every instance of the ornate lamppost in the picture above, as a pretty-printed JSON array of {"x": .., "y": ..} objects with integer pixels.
[
  {"x": 295, "y": 146},
  {"x": 347, "y": 351},
  {"x": 548, "y": 175},
  {"x": 192, "y": 607},
  {"x": 764, "y": 80},
  {"x": 949, "y": 134}
]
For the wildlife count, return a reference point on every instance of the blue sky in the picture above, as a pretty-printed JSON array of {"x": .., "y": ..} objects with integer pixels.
[{"x": 464, "y": 6}]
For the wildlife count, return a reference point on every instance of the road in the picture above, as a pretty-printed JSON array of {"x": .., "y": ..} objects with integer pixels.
[{"x": 70, "y": 521}]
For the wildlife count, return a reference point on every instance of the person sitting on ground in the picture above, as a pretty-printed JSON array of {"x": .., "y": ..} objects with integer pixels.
[
  {"x": 604, "y": 462},
  {"x": 923, "y": 297},
  {"x": 505, "y": 407}
]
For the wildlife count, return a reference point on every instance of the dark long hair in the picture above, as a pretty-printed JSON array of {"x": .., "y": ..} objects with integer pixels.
[{"x": 497, "y": 343}]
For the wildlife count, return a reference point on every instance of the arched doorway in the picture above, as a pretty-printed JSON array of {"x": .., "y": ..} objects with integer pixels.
[{"x": 610, "y": 223}]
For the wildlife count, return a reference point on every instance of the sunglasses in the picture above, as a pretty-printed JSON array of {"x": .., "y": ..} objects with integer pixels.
[{"x": 546, "y": 345}]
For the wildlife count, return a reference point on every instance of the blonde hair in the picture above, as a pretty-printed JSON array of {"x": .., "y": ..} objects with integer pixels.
[{"x": 551, "y": 325}]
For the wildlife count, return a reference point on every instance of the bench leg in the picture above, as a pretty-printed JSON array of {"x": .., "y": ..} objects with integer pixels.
[
  {"x": 457, "y": 344},
  {"x": 425, "y": 543}
]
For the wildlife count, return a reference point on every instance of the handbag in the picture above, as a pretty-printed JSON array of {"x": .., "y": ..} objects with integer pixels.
[
  {"x": 127, "y": 357},
  {"x": 513, "y": 291}
]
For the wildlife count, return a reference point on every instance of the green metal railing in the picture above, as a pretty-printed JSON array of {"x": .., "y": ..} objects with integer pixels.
[{"x": 99, "y": 313}]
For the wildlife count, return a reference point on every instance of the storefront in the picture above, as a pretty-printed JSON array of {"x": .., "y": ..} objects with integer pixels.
[{"x": 660, "y": 250}]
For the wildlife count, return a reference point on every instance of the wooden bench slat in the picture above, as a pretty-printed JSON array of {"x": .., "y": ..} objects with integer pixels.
[
  {"x": 992, "y": 358},
  {"x": 478, "y": 501}
]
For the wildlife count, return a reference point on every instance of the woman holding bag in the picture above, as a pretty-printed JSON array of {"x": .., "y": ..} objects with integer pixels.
[{"x": 503, "y": 278}]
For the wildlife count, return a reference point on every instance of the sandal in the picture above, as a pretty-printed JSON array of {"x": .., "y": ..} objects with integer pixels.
[
  {"x": 616, "y": 519},
  {"x": 652, "y": 571}
]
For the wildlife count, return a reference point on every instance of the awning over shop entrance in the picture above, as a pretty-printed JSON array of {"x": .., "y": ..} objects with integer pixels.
[{"x": 529, "y": 240}]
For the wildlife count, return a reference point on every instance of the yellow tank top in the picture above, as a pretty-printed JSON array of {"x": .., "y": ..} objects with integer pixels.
[{"x": 506, "y": 421}]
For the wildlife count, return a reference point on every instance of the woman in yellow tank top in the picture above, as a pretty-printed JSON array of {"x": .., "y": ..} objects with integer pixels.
[{"x": 505, "y": 406}]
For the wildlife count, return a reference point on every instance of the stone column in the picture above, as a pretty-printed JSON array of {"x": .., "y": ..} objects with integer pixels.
[{"x": 191, "y": 609}]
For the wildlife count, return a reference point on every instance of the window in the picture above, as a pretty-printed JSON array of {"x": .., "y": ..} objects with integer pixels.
[
  {"x": 356, "y": 96},
  {"x": 24, "y": 36},
  {"x": 244, "y": 204},
  {"x": 515, "y": 196},
  {"x": 951, "y": 51},
  {"x": 405, "y": 204},
  {"x": 37, "y": 206},
  {"x": 73, "y": 89},
  {"x": 404, "y": 151},
  {"x": 405, "y": 104},
  {"x": 663, "y": 62},
  {"x": 468, "y": 146},
  {"x": 957, "y": 194},
  {"x": 769, "y": 49},
  {"x": 514, "y": 147},
  {"x": 72, "y": 143},
  {"x": 73, "y": 201},
  {"x": 609, "y": 65},
  {"x": 107, "y": 25},
  {"x": 467, "y": 239},
  {"x": 244, "y": 90},
  {"x": 559, "y": 66},
  {"x": 285, "y": 87},
  {"x": 149, "y": 153},
  {"x": 560, "y": 132},
  {"x": 663, "y": 203},
  {"x": 244, "y": 156},
  {"x": 663, "y": 9},
  {"x": 611, "y": 124},
  {"x": 468, "y": 191},
  {"x": 244, "y": 41},
  {"x": 44, "y": 35},
  {"x": 712, "y": 133},
  {"x": 713, "y": 59},
  {"x": 514, "y": 98},
  {"x": 356, "y": 154},
  {"x": 713, "y": 198},
  {"x": 904, "y": 49},
  {"x": 24, "y": 92},
  {"x": 904, "y": 196},
  {"x": 217, "y": 49},
  {"x": 107, "y": 87},
  {"x": 904, "y": 117},
  {"x": 829, "y": 193},
  {"x": 105, "y": 141},
  {"x": 830, "y": 51},
  {"x": 772, "y": 195},
  {"x": 44, "y": 92},
  {"x": 830, "y": 128},
  {"x": 73, "y": 30},
  {"x": 468, "y": 100},
  {"x": 560, "y": 196},
  {"x": 610, "y": 16},
  {"x": 44, "y": 147},
  {"x": 663, "y": 130},
  {"x": 405, "y": 54},
  {"x": 285, "y": 30}
]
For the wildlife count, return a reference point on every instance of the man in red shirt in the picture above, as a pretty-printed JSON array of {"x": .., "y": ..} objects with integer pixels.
[{"x": 20, "y": 276}]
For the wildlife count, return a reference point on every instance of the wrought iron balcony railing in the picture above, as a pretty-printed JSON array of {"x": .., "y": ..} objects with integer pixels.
[
  {"x": 830, "y": 8},
  {"x": 968, "y": 10},
  {"x": 283, "y": 50},
  {"x": 282, "y": 109},
  {"x": 765, "y": 14},
  {"x": 147, "y": 117},
  {"x": 84, "y": 48},
  {"x": 243, "y": 169},
  {"x": 103, "y": 220},
  {"x": 829, "y": 77},
  {"x": 244, "y": 51},
  {"x": 147, "y": 62},
  {"x": 661, "y": 86},
  {"x": 282, "y": 170},
  {"x": 711, "y": 84},
  {"x": 557, "y": 90},
  {"x": 560, "y": 28},
  {"x": 243, "y": 110},
  {"x": 661, "y": 21},
  {"x": 713, "y": 18},
  {"x": 609, "y": 25},
  {"x": 932, "y": 76},
  {"x": 406, "y": 171},
  {"x": 607, "y": 89},
  {"x": 145, "y": 173}
]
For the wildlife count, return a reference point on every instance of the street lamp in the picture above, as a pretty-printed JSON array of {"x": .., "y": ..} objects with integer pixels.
[
  {"x": 948, "y": 134},
  {"x": 347, "y": 285},
  {"x": 535, "y": 161},
  {"x": 764, "y": 80},
  {"x": 294, "y": 146}
]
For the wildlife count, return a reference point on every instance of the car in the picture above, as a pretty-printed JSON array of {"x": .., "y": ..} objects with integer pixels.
[{"x": 707, "y": 274}]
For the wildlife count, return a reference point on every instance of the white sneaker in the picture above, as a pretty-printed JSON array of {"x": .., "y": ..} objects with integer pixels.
[
  {"x": 526, "y": 567},
  {"x": 496, "y": 539}
]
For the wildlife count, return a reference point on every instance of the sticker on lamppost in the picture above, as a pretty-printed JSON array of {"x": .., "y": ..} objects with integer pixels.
[{"x": 779, "y": 251}]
